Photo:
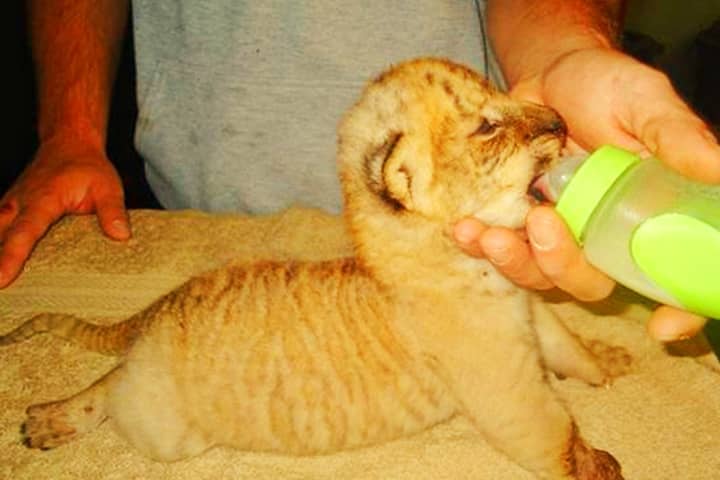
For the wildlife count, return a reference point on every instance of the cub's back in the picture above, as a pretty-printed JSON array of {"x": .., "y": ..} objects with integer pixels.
[{"x": 299, "y": 357}]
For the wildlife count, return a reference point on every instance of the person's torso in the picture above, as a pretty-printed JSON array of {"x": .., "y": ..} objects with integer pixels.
[{"x": 239, "y": 101}]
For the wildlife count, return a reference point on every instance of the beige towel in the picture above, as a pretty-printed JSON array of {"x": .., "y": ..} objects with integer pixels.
[{"x": 662, "y": 421}]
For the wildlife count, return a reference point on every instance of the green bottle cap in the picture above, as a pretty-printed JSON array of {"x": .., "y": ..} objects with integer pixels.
[{"x": 589, "y": 185}]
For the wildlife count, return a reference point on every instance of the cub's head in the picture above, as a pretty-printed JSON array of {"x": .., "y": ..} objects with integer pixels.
[{"x": 432, "y": 141}]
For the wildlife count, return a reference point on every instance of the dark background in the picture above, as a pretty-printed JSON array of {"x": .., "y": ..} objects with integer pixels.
[{"x": 695, "y": 70}]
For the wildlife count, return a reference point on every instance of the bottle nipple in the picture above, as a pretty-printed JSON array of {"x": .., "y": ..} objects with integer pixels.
[{"x": 552, "y": 183}]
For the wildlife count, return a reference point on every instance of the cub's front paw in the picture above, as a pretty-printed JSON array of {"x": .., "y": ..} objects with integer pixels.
[{"x": 615, "y": 361}]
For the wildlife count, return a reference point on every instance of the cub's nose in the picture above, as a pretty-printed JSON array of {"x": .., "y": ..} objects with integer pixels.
[
  {"x": 543, "y": 120},
  {"x": 549, "y": 122},
  {"x": 557, "y": 126}
]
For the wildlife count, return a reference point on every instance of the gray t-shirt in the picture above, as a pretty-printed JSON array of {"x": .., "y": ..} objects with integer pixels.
[{"x": 239, "y": 100}]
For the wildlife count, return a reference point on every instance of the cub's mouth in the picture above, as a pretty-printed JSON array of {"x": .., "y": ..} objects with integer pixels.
[
  {"x": 536, "y": 191},
  {"x": 538, "y": 187}
]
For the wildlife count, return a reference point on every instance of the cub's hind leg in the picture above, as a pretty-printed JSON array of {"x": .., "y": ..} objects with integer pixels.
[
  {"x": 51, "y": 424},
  {"x": 151, "y": 412}
]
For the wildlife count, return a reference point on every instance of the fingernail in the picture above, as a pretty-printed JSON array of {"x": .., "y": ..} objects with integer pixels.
[
  {"x": 542, "y": 235},
  {"x": 668, "y": 333},
  {"x": 120, "y": 227},
  {"x": 500, "y": 257},
  {"x": 671, "y": 336},
  {"x": 464, "y": 234},
  {"x": 497, "y": 253}
]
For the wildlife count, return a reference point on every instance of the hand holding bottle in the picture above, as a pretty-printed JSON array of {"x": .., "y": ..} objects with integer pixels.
[
  {"x": 643, "y": 224},
  {"x": 605, "y": 97}
]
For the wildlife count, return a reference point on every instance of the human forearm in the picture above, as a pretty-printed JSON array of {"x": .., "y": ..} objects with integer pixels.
[
  {"x": 76, "y": 46},
  {"x": 529, "y": 35}
]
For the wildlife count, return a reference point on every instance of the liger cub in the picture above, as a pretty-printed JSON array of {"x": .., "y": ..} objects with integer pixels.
[{"x": 312, "y": 357}]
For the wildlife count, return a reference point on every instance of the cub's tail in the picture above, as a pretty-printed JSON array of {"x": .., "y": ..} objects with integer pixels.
[{"x": 110, "y": 340}]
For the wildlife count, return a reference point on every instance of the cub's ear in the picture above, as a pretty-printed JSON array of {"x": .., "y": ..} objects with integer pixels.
[{"x": 398, "y": 171}]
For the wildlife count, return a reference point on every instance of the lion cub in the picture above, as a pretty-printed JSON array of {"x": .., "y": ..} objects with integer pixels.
[{"x": 307, "y": 358}]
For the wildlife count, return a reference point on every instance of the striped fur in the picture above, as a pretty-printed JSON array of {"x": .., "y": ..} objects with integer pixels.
[{"x": 313, "y": 357}]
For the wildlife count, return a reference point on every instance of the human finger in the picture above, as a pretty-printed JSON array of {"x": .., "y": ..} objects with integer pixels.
[
  {"x": 112, "y": 216},
  {"x": 21, "y": 237},
  {"x": 8, "y": 212},
  {"x": 512, "y": 256},
  {"x": 669, "y": 324},
  {"x": 672, "y": 132},
  {"x": 467, "y": 233},
  {"x": 561, "y": 260},
  {"x": 687, "y": 146}
]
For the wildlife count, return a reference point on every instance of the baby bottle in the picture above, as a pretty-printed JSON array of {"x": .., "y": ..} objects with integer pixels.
[{"x": 646, "y": 226}]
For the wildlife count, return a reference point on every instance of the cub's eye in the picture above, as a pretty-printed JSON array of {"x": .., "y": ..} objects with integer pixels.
[{"x": 486, "y": 127}]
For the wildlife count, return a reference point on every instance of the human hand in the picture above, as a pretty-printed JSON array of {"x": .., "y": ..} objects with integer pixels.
[
  {"x": 62, "y": 178},
  {"x": 605, "y": 97}
]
